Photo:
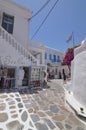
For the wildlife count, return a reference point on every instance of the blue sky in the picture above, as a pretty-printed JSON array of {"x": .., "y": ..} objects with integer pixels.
[{"x": 68, "y": 16}]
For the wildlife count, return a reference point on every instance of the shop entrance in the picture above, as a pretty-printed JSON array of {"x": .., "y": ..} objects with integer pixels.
[
  {"x": 25, "y": 81},
  {"x": 7, "y": 77}
]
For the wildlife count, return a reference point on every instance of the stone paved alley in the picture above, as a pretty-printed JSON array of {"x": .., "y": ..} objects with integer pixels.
[{"x": 44, "y": 109}]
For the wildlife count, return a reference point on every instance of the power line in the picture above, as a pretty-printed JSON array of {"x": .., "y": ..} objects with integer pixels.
[
  {"x": 45, "y": 19},
  {"x": 40, "y": 9}
]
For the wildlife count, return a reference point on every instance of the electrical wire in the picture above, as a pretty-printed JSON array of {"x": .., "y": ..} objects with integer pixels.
[
  {"x": 40, "y": 9},
  {"x": 45, "y": 19}
]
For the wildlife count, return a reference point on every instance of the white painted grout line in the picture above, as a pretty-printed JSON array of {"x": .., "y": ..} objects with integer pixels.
[{"x": 16, "y": 109}]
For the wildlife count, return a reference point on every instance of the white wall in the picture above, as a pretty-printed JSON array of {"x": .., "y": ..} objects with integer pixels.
[
  {"x": 21, "y": 23},
  {"x": 21, "y": 27},
  {"x": 53, "y": 52},
  {"x": 79, "y": 74},
  {"x": 72, "y": 74},
  {"x": 37, "y": 47},
  {"x": 41, "y": 48}
]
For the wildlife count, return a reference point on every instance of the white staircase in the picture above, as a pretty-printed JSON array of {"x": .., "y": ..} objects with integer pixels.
[{"x": 13, "y": 53}]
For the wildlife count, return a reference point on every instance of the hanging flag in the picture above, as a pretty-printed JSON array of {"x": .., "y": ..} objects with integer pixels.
[{"x": 69, "y": 38}]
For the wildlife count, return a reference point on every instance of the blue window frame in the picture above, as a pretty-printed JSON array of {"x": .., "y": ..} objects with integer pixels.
[
  {"x": 58, "y": 59},
  {"x": 8, "y": 23},
  {"x": 54, "y": 58}
]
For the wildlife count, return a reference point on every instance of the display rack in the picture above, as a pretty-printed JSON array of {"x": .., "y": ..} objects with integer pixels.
[
  {"x": 7, "y": 77},
  {"x": 36, "y": 76}
]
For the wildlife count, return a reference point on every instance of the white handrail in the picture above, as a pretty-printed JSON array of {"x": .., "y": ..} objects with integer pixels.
[{"x": 8, "y": 37}]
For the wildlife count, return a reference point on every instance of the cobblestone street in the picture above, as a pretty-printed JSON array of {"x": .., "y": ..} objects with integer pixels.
[
  {"x": 48, "y": 109},
  {"x": 44, "y": 109}
]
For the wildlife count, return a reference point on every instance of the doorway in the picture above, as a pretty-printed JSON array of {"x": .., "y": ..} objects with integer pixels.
[{"x": 25, "y": 81}]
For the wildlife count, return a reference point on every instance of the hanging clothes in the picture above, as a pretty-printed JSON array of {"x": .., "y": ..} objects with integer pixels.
[{"x": 20, "y": 75}]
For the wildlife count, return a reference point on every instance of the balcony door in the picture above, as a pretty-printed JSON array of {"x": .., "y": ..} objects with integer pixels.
[{"x": 7, "y": 23}]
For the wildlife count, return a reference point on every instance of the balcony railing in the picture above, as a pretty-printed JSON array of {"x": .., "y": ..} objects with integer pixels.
[{"x": 12, "y": 41}]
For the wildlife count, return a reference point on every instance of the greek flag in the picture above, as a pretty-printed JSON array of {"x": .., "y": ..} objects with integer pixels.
[{"x": 69, "y": 38}]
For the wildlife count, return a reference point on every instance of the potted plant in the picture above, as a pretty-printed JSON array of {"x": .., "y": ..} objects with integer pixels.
[{"x": 82, "y": 109}]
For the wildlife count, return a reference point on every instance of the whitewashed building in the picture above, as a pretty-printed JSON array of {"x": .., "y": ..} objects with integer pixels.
[
  {"x": 17, "y": 50},
  {"x": 53, "y": 60},
  {"x": 53, "y": 56},
  {"x": 48, "y": 56},
  {"x": 44, "y": 54},
  {"x": 76, "y": 94},
  {"x": 37, "y": 49},
  {"x": 79, "y": 73},
  {"x": 14, "y": 27},
  {"x": 14, "y": 43}
]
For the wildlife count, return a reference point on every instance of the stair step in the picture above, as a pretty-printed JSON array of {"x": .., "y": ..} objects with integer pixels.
[{"x": 10, "y": 47}]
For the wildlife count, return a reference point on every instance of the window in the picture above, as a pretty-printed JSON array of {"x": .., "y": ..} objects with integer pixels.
[
  {"x": 54, "y": 56},
  {"x": 58, "y": 59},
  {"x": 7, "y": 23},
  {"x": 45, "y": 55}
]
